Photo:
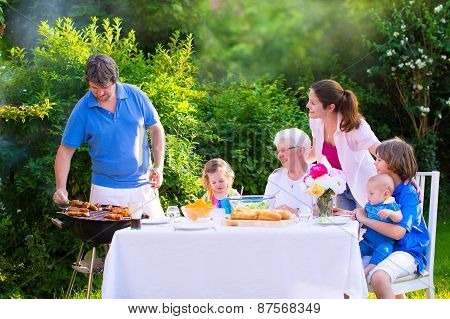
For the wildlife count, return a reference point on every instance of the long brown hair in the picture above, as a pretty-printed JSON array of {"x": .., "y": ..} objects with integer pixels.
[{"x": 345, "y": 101}]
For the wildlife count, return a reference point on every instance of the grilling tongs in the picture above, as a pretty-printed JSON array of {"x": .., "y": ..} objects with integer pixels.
[{"x": 65, "y": 205}]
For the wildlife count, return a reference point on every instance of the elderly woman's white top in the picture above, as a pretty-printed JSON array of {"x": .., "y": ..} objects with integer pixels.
[
  {"x": 353, "y": 153},
  {"x": 287, "y": 191}
]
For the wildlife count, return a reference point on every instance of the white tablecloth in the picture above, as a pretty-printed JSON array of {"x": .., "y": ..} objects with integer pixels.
[{"x": 300, "y": 261}]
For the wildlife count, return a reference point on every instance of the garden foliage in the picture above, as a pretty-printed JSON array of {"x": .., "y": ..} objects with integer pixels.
[
  {"x": 243, "y": 118},
  {"x": 414, "y": 57}
]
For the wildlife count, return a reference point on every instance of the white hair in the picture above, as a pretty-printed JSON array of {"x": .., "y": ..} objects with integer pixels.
[{"x": 295, "y": 136}]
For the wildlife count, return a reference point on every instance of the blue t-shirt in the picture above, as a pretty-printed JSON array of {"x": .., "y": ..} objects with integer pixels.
[
  {"x": 372, "y": 210},
  {"x": 373, "y": 237},
  {"x": 416, "y": 239},
  {"x": 117, "y": 142}
]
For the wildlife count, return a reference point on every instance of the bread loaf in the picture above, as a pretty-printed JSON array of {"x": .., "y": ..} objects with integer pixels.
[
  {"x": 268, "y": 214},
  {"x": 244, "y": 215},
  {"x": 261, "y": 214}
]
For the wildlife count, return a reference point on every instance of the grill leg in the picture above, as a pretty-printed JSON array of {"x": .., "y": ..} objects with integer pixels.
[
  {"x": 91, "y": 273},
  {"x": 74, "y": 273}
]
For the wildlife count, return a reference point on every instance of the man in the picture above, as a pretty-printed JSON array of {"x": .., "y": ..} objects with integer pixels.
[{"x": 113, "y": 118}]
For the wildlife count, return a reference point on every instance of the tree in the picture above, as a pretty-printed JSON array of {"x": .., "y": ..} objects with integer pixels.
[{"x": 414, "y": 57}]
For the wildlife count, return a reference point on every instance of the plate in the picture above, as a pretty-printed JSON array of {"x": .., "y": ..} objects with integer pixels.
[
  {"x": 154, "y": 221},
  {"x": 343, "y": 215},
  {"x": 331, "y": 220},
  {"x": 192, "y": 226},
  {"x": 203, "y": 220}
]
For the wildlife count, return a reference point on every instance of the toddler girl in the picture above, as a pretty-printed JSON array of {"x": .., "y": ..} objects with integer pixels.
[{"x": 217, "y": 180}]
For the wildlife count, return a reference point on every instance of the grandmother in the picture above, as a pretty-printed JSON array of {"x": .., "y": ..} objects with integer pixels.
[{"x": 287, "y": 182}]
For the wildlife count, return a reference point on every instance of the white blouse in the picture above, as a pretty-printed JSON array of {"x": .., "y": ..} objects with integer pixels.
[
  {"x": 353, "y": 153},
  {"x": 287, "y": 191}
]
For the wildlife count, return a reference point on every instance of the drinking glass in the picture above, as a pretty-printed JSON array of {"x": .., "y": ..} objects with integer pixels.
[
  {"x": 218, "y": 215},
  {"x": 173, "y": 213},
  {"x": 305, "y": 215},
  {"x": 136, "y": 210}
]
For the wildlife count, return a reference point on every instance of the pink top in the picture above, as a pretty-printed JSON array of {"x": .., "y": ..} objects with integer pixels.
[
  {"x": 353, "y": 152},
  {"x": 331, "y": 154}
]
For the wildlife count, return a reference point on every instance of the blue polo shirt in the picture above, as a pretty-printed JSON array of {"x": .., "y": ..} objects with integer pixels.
[
  {"x": 117, "y": 141},
  {"x": 416, "y": 239}
]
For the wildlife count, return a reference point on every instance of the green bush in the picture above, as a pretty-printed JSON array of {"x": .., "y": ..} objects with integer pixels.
[
  {"x": 242, "y": 120},
  {"x": 374, "y": 106}
]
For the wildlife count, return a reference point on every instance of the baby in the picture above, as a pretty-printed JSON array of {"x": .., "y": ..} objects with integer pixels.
[
  {"x": 381, "y": 207},
  {"x": 217, "y": 180}
]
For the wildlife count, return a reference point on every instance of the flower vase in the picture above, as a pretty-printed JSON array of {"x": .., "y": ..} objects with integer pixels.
[{"x": 323, "y": 206}]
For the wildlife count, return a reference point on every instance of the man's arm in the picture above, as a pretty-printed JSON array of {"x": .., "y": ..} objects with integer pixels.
[
  {"x": 158, "y": 148},
  {"x": 62, "y": 168}
]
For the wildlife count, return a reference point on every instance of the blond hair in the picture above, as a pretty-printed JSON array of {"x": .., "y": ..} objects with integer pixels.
[
  {"x": 217, "y": 165},
  {"x": 383, "y": 182},
  {"x": 399, "y": 157}
]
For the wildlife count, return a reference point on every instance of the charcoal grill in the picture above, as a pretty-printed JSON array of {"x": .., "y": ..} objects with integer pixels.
[{"x": 95, "y": 230}]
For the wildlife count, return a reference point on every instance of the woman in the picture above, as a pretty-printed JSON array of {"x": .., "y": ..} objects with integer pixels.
[
  {"x": 342, "y": 139},
  {"x": 287, "y": 182}
]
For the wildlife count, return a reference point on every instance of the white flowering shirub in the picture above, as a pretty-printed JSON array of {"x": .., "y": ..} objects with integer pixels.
[{"x": 413, "y": 56}]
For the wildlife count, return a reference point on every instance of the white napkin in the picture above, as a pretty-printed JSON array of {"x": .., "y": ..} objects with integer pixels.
[{"x": 361, "y": 232}]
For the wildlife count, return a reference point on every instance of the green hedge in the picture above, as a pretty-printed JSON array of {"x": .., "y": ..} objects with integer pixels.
[{"x": 243, "y": 119}]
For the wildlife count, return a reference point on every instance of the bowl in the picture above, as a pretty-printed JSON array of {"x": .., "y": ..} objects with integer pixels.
[
  {"x": 249, "y": 202},
  {"x": 197, "y": 214}
]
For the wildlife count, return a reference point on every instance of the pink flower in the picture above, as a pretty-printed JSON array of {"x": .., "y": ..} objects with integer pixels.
[{"x": 317, "y": 171}]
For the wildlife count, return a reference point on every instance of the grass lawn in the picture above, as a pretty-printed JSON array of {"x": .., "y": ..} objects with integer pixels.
[
  {"x": 441, "y": 263},
  {"x": 441, "y": 269}
]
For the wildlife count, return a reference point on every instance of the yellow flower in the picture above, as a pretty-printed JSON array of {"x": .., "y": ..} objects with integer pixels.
[{"x": 316, "y": 190}]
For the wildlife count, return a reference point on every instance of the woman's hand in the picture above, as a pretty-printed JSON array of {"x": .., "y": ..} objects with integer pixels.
[
  {"x": 340, "y": 211},
  {"x": 286, "y": 207},
  {"x": 416, "y": 186}
]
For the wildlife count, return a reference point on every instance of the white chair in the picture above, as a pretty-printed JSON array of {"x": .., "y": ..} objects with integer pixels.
[{"x": 416, "y": 282}]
